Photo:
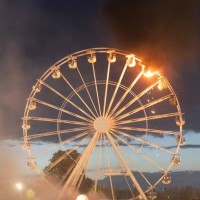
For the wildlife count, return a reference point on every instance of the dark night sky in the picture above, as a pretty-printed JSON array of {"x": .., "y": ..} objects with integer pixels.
[
  {"x": 35, "y": 34},
  {"x": 167, "y": 35}
]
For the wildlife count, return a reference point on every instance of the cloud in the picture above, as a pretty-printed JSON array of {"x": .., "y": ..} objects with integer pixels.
[
  {"x": 187, "y": 146},
  {"x": 191, "y": 146}
]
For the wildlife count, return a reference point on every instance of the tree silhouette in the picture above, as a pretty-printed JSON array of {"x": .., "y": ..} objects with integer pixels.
[
  {"x": 183, "y": 193},
  {"x": 62, "y": 170}
]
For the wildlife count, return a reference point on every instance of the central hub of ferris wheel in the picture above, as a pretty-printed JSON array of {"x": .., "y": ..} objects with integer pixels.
[{"x": 102, "y": 124}]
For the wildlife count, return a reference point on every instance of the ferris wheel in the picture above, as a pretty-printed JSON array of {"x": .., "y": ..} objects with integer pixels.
[{"x": 124, "y": 121}]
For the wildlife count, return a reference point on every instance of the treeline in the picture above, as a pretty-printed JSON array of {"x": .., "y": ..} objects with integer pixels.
[
  {"x": 183, "y": 193},
  {"x": 68, "y": 162}
]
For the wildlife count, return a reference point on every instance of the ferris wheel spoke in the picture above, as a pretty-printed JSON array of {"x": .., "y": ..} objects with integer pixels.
[
  {"x": 98, "y": 164},
  {"x": 67, "y": 153},
  {"x": 48, "y": 168},
  {"x": 117, "y": 86},
  {"x": 108, "y": 165},
  {"x": 147, "y": 130},
  {"x": 66, "y": 99},
  {"x": 144, "y": 107},
  {"x": 77, "y": 94},
  {"x": 143, "y": 176},
  {"x": 67, "y": 172},
  {"x": 46, "y": 134},
  {"x": 145, "y": 142},
  {"x": 130, "y": 189},
  {"x": 62, "y": 143},
  {"x": 96, "y": 88},
  {"x": 60, "y": 109},
  {"x": 136, "y": 98},
  {"x": 154, "y": 117},
  {"x": 56, "y": 120},
  {"x": 87, "y": 90},
  {"x": 137, "y": 151},
  {"x": 106, "y": 88},
  {"x": 131, "y": 161},
  {"x": 127, "y": 92}
]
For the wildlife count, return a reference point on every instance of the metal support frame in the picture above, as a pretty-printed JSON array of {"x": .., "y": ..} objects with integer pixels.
[{"x": 128, "y": 171}]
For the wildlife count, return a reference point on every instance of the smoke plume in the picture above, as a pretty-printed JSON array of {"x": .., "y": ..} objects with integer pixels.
[
  {"x": 162, "y": 32},
  {"x": 165, "y": 34}
]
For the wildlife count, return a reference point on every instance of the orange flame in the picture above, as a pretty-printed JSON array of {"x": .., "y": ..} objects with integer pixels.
[{"x": 149, "y": 73}]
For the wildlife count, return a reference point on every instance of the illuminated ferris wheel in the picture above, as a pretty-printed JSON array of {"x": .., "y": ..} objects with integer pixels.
[{"x": 124, "y": 120}]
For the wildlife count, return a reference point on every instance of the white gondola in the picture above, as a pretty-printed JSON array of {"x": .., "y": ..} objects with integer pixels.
[
  {"x": 173, "y": 101},
  {"x": 152, "y": 195},
  {"x": 92, "y": 59},
  {"x": 176, "y": 161},
  {"x": 37, "y": 88},
  {"x": 26, "y": 125},
  {"x": 56, "y": 74},
  {"x": 131, "y": 61},
  {"x": 32, "y": 105},
  {"x": 72, "y": 64},
  {"x": 181, "y": 141},
  {"x": 26, "y": 146},
  {"x": 32, "y": 165},
  {"x": 162, "y": 84},
  {"x": 179, "y": 121},
  {"x": 166, "y": 179},
  {"x": 112, "y": 58}
]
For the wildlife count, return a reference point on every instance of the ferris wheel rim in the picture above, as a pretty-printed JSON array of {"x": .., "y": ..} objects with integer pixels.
[{"x": 61, "y": 62}]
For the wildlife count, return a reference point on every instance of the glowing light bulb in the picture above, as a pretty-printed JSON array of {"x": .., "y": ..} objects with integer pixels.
[
  {"x": 149, "y": 73},
  {"x": 82, "y": 197},
  {"x": 19, "y": 186}
]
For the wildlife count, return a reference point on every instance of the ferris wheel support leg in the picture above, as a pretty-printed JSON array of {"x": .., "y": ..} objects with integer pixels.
[
  {"x": 81, "y": 164},
  {"x": 112, "y": 141}
]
